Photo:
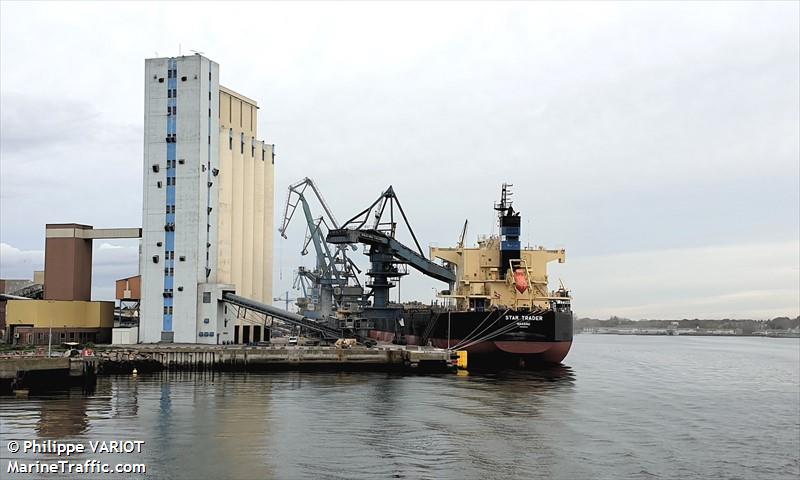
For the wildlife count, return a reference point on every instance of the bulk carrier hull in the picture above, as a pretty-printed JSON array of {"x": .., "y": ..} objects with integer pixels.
[{"x": 519, "y": 338}]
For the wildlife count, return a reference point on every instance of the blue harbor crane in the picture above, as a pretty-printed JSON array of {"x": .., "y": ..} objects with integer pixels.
[{"x": 334, "y": 272}]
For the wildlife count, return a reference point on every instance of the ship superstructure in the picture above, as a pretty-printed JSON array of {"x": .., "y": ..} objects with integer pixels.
[{"x": 499, "y": 273}]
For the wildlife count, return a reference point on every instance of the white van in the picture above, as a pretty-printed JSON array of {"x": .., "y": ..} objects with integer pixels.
[{"x": 293, "y": 340}]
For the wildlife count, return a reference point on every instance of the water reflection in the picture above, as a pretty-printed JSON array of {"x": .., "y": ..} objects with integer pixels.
[
  {"x": 206, "y": 424},
  {"x": 382, "y": 412},
  {"x": 504, "y": 424},
  {"x": 553, "y": 373},
  {"x": 63, "y": 418},
  {"x": 124, "y": 393},
  {"x": 559, "y": 379}
]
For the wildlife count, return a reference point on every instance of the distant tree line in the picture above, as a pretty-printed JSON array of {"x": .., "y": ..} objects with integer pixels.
[{"x": 747, "y": 326}]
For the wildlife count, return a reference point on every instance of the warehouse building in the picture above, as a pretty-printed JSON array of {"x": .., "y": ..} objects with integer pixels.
[{"x": 67, "y": 312}]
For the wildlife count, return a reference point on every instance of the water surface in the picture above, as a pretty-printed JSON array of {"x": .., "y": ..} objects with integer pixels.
[{"x": 621, "y": 407}]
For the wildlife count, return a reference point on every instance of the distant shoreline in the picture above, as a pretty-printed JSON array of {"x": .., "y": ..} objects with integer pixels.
[
  {"x": 778, "y": 327},
  {"x": 690, "y": 334}
]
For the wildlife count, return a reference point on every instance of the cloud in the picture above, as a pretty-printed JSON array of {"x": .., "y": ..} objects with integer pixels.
[
  {"x": 748, "y": 304},
  {"x": 110, "y": 261},
  {"x": 33, "y": 123},
  {"x": 62, "y": 160},
  {"x": 16, "y": 263},
  {"x": 727, "y": 281},
  {"x": 656, "y": 127}
]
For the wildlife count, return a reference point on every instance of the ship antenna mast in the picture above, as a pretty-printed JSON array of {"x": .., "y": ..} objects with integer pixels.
[
  {"x": 503, "y": 207},
  {"x": 505, "y": 198}
]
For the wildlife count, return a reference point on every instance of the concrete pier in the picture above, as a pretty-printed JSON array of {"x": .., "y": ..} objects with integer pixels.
[
  {"x": 42, "y": 373},
  {"x": 123, "y": 359},
  {"x": 23, "y": 372}
]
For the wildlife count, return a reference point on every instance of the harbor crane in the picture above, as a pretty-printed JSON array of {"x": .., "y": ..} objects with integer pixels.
[
  {"x": 334, "y": 271},
  {"x": 388, "y": 257}
]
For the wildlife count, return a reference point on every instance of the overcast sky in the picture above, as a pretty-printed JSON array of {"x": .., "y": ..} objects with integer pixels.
[{"x": 659, "y": 143}]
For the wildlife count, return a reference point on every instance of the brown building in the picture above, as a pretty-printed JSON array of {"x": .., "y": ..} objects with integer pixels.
[
  {"x": 129, "y": 289},
  {"x": 129, "y": 294},
  {"x": 68, "y": 262},
  {"x": 67, "y": 312},
  {"x": 68, "y": 258}
]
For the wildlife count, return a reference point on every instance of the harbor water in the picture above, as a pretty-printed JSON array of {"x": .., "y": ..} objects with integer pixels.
[{"x": 621, "y": 407}]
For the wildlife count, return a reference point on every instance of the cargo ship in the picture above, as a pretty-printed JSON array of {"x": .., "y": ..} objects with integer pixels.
[
  {"x": 497, "y": 305},
  {"x": 499, "y": 308}
]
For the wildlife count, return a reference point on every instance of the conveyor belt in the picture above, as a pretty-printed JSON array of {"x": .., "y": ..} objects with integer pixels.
[
  {"x": 288, "y": 317},
  {"x": 398, "y": 250}
]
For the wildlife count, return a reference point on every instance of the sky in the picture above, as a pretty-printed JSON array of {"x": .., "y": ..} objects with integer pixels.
[{"x": 658, "y": 143}]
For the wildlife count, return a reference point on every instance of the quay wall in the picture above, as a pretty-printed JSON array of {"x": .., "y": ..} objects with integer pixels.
[
  {"x": 42, "y": 373},
  {"x": 197, "y": 358},
  {"x": 21, "y": 372}
]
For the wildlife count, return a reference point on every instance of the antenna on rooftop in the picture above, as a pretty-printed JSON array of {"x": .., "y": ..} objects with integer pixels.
[{"x": 196, "y": 52}]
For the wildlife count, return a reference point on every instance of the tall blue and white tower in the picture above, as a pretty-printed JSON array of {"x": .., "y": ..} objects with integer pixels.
[{"x": 208, "y": 204}]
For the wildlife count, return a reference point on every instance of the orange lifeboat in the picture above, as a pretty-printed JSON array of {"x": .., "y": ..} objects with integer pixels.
[{"x": 520, "y": 280}]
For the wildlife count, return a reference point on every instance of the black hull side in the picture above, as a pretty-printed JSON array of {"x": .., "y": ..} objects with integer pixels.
[{"x": 499, "y": 338}]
